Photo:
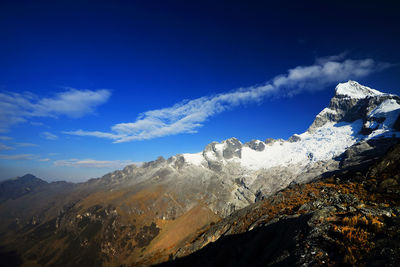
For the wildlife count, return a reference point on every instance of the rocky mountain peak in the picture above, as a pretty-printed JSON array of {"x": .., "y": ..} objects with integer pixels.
[
  {"x": 19, "y": 186},
  {"x": 353, "y": 101},
  {"x": 227, "y": 149},
  {"x": 355, "y": 90},
  {"x": 256, "y": 145},
  {"x": 355, "y": 113},
  {"x": 27, "y": 178},
  {"x": 232, "y": 148}
]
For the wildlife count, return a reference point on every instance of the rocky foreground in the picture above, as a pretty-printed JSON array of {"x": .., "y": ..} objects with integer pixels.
[{"x": 351, "y": 218}]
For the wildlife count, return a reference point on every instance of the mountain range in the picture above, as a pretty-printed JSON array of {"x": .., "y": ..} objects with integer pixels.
[{"x": 228, "y": 199}]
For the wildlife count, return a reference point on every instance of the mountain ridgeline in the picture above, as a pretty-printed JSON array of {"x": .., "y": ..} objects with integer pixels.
[{"x": 236, "y": 196}]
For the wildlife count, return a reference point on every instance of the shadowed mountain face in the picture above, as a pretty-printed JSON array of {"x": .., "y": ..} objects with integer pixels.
[
  {"x": 15, "y": 188},
  {"x": 169, "y": 208}
]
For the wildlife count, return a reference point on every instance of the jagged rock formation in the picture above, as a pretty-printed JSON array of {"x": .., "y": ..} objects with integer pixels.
[
  {"x": 142, "y": 214},
  {"x": 353, "y": 101}
]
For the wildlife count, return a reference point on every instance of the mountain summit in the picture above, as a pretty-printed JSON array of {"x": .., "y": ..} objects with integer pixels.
[
  {"x": 142, "y": 214},
  {"x": 19, "y": 186},
  {"x": 353, "y": 101},
  {"x": 355, "y": 90}
]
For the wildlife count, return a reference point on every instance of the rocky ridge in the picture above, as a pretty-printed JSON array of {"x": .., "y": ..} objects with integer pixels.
[
  {"x": 234, "y": 174},
  {"x": 349, "y": 219}
]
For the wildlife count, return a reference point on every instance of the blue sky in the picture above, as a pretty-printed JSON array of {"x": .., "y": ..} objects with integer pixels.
[{"x": 89, "y": 86}]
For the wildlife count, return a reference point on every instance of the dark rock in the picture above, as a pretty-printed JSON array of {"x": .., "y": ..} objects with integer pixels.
[
  {"x": 270, "y": 141},
  {"x": 233, "y": 149},
  {"x": 179, "y": 162},
  {"x": 255, "y": 145},
  {"x": 215, "y": 166},
  {"x": 154, "y": 163},
  {"x": 146, "y": 234},
  {"x": 388, "y": 183},
  {"x": 396, "y": 125},
  {"x": 294, "y": 138}
]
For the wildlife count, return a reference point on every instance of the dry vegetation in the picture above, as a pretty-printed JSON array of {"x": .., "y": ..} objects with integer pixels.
[
  {"x": 354, "y": 235},
  {"x": 351, "y": 225}
]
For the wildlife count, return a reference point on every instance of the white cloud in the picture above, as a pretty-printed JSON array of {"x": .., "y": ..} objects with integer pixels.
[
  {"x": 188, "y": 116},
  {"x": 49, "y": 136},
  {"x": 184, "y": 117},
  {"x": 5, "y": 138},
  {"x": 5, "y": 147},
  {"x": 44, "y": 159},
  {"x": 318, "y": 76},
  {"x": 338, "y": 57},
  {"x": 17, "y": 157},
  {"x": 91, "y": 163},
  {"x": 20, "y": 107}
]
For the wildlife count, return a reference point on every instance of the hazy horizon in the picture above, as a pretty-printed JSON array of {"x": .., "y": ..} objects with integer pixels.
[{"x": 86, "y": 90}]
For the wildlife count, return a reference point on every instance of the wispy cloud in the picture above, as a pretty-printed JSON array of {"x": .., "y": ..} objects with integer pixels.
[
  {"x": 25, "y": 144},
  {"x": 339, "y": 57},
  {"x": 91, "y": 163},
  {"x": 5, "y": 147},
  {"x": 23, "y": 157},
  {"x": 17, "y": 157},
  {"x": 20, "y": 107},
  {"x": 188, "y": 116},
  {"x": 49, "y": 136},
  {"x": 325, "y": 72},
  {"x": 35, "y": 123},
  {"x": 5, "y": 138}
]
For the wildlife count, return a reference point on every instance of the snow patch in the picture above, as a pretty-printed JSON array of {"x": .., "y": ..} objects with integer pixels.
[
  {"x": 390, "y": 111},
  {"x": 326, "y": 143},
  {"x": 195, "y": 158},
  {"x": 327, "y": 110},
  {"x": 384, "y": 108}
]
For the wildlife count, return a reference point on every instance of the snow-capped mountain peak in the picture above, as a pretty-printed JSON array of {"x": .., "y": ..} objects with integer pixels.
[
  {"x": 229, "y": 175},
  {"x": 355, "y": 90},
  {"x": 355, "y": 113}
]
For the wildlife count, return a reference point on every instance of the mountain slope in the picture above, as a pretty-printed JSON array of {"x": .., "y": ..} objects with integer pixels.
[
  {"x": 348, "y": 219},
  {"x": 143, "y": 214},
  {"x": 17, "y": 187}
]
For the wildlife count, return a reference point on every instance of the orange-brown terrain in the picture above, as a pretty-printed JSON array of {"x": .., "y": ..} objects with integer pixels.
[{"x": 118, "y": 227}]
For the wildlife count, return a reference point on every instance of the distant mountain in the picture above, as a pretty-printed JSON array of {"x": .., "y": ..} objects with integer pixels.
[
  {"x": 146, "y": 214},
  {"x": 17, "y": 187}
]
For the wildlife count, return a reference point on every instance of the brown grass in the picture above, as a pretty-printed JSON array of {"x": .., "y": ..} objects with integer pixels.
[
  {"x": 176, "y": 231},
  {"x": 354, "y": 235}
]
